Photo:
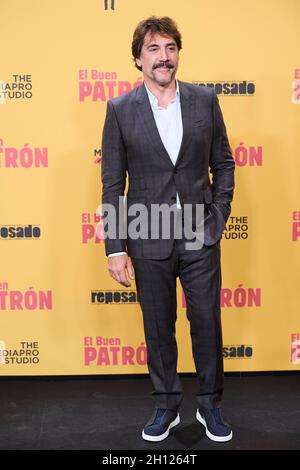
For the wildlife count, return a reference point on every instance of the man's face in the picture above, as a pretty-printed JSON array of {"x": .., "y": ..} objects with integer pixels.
[{"x": 159, "y": 58}]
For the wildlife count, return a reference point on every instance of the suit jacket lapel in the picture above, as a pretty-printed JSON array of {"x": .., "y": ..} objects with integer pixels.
[
  {"x": 187, "y": 113},
  {"x": 148, "y": 122}
]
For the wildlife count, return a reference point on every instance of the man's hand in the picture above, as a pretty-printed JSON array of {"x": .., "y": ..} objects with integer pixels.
[{"x": 117, "y": 266}]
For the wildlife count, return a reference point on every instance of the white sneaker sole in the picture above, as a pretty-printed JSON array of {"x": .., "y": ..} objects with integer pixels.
[
  {"x": 209, "y": 434},
  {"x": 163, "y": 436}
]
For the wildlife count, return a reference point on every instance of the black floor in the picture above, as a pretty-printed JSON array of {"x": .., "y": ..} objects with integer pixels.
[{"x": 109, "y": 413}]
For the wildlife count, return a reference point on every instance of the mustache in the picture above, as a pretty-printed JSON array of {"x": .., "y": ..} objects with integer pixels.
[{"x": 163, "y": 64}]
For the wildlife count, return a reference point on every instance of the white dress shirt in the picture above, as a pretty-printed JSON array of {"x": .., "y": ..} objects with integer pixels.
[{"x": 169, "y": 124}]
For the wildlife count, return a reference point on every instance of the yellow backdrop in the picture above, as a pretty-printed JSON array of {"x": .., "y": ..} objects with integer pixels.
[{"x": 60, "y": 312}]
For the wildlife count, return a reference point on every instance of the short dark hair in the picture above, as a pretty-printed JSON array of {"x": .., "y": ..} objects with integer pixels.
[{"x": 163, "y": 25}]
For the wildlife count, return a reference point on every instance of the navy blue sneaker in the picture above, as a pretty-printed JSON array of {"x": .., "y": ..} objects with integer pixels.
[
  {"x": 159, "y": 425},
  {"x": 216, "y": 428}
]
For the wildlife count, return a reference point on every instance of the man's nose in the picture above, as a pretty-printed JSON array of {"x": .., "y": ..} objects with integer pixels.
[{"x": 163, "y": 54}]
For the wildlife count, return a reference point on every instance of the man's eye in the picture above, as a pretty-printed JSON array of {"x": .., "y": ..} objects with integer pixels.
[{"x": 153, "y": 49}]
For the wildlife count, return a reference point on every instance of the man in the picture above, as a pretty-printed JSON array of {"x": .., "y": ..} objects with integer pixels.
[{"x": 167, "y": 135}]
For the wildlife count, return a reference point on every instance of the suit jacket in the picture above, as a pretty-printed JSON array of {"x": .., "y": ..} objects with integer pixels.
[{"x": 131, "y": 145}]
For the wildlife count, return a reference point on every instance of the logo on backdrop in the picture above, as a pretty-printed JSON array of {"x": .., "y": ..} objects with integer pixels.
[
  {"x": 239, "y": 297},
  {"x": 95, "y": 85},
  {"x": 25, "y": 157},
  {"x": 91, "y": 228},
  {"x": 236, "y": 228},
  {"x": 230, "y": 88},
  {"x": 19, "y": 232},
  {"x": 248, "y": 155},
  {"x": 19, "y": 87},
  {"x": 22, "y": 301},
  {"x": 296, "y": 87},
  {"x": 109, "y": 3},
  {"x": 27, "y": 352},
  {"x": 295, "y": 226},
  {"x": 102, "y": 351},
  {"x": 240, "y": 351},
  {"x": 295, "y": 348},
  {"x": 120, "y": 297}
]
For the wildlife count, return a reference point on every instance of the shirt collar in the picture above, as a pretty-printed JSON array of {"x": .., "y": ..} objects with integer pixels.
[{"x": 153, "y": 99}]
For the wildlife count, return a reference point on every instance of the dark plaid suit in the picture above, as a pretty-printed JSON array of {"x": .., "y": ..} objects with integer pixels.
[{"x": 131, "y": 145}]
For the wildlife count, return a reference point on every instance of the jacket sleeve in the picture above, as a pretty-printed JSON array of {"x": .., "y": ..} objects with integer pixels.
[
  {"x": 222, "y": 165},
  {"x": 113, "y": 175}
]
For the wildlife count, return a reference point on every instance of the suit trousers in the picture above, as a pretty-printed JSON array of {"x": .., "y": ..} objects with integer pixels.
[{"x": 199, "y": 272}]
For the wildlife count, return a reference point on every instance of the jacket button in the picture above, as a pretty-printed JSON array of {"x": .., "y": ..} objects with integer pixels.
[
  {"x": 173, "y": 198},
  {"x": 176, "y": 170}
]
